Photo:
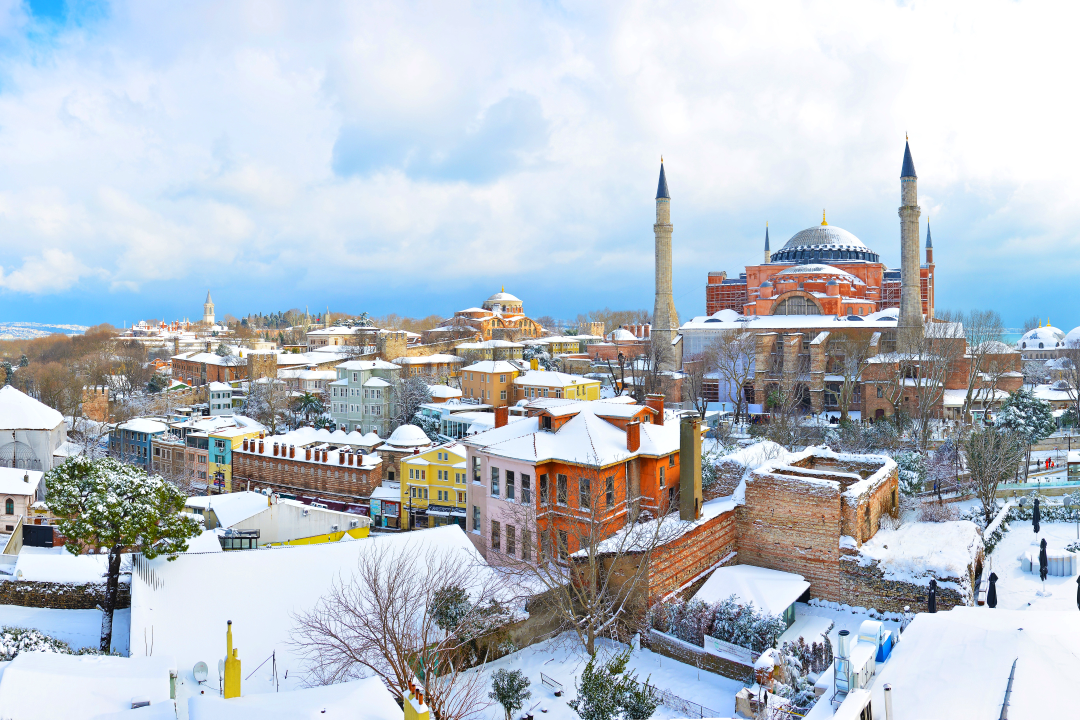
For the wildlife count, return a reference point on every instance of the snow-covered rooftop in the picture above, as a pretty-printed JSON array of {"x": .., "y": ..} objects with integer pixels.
[
  {"x": 12, "y": 481},
  {"x": 919, "y": 551},
  {"x": 368, "y": 365},
  {"x": 143, "y": 425},
  {"x": 230, "y": 508},
  {"x": 443, "y": 391},
  {"x": 724, "y": 321},
  {"x": 19, "y": 411},
  {"x": 769, "y": 590},
  {"x": 491, "y": 366},
  {"x": 366, "y": 699},
  {"x": 550, "y": 378}
]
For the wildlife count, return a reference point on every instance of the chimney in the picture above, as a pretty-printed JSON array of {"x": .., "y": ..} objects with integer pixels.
[
  {"x": 351, "y": 457},
  {"x": 275, "y": 449},
  {"x": 633, "y": 435},
  {"x": 292, "y": 451},
  {"x": 260, "y": 446},
  {"x": 502, "y": 415},
  {"x": 245, "y": 444},
  {"x": 656, "y": 402},
  {"x": 341, "y": 457},
  {"x": 690, "y": 467},
  {"x": 307, "y": 453},
  {"x": 324, "y": 455},
  {"x": 534, "y": 364}
]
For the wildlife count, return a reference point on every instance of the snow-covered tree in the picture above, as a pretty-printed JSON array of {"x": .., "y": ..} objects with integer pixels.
[
  {"x": 912, "y": 470},
  {"x": 510, "y": 688},
  {"x": 542, "y": 357},
  {"x": 1027, "y": 417},
  {"x": 15, "y": 640},
  {"x": 409, "y": 393},
  {"x": 106, "y": 506},
  {"x": 430, "y": 426},
  {"x": 993, "y": 455},
  {"x": 606, "y": 691},
  {"x": 267, "y": 401}
]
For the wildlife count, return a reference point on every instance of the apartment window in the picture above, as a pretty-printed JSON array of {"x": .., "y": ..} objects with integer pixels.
[
  {"x": 880, "y": 392},
  {"x": 494, "y": 481},
  {"x": 502, "y": 378},
  {"x": 610, "y": 491},
  {"x": 495, "y": 535},
  {"x": 584, "y": 493},
  {"x": 509, "y": 484},
  {"x": 560, "y": 489},
  {"x": 502, "y": 394},
  {"x": 526, "y": 545},
  {"x": 661, "y": 476},
  {"x": 544, "y": 489},
  {"x": 511, "y": 540},
  {"x": 526, "y": 489},
  {"x": 558, "y": 392},
  {"x": 671, "y": 461},
  {"x": 476, "y": 518},
  {"x": 563, "y": 545},
  {"x": 476, "y": 469},
  {"x": 460, "y": 497}
]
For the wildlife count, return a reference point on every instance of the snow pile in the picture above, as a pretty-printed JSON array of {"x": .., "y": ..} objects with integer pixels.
[
  {"x": 327, "y": 702},
  {"x": 919, "y": 551},
  {"x": 19, "y": 640},
  {"x": 59, "y": 566},
  {"x": 771, "y": 590}
]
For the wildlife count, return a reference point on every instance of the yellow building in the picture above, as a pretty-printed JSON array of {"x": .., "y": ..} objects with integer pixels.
[
  {"x": 433, "y": 487},
  {"x": 548, "y": 383},
  {"x": 489, "y": 381},
  {"x": 219, "y": 455}
]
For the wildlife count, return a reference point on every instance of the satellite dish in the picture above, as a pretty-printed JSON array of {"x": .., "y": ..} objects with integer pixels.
[{"x": 200, "y": 672}]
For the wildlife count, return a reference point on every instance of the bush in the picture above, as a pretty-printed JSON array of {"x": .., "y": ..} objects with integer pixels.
[
  {"x": 15, "y": 640},
  {"x": 935, "y": 512},
  {"x": 740, "y": 625},
  {"x": 912, "y": 471}
]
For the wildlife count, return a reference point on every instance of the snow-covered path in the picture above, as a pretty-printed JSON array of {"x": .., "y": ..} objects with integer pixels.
[{"x": 562, "y": 659}]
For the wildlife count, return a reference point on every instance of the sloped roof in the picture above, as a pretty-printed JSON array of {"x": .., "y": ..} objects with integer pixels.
[
  {"x": 909, "y": 165},
  {"x": 19, "y": 411}
]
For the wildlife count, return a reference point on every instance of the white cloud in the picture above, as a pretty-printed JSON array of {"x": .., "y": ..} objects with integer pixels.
[
  {"x": 52, "y": 271},
  {"x": 170, "y": 142}
]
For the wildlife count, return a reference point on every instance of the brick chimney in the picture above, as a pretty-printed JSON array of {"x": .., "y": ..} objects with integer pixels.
[
  {"x": 656, "y": 402},
  {"x": 245, "y": 444},
  {"x": 502, "y": 415},
  {"x": 260, "y": 446},
  {"x": 307, "y": 453},
  {"x": 633, "y": 435},
  {"x": 351, "y": 458},
  {"x": 690, "y": 467},
  {"x": 275, "y": 449},
  {"x": 292, "y": 451},
  {"x": 341, "y": 457},
  {"x": 324, "y": 455}
]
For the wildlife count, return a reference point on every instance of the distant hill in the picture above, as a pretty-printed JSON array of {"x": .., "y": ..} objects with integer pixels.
[{"x": 25, "y": 330}]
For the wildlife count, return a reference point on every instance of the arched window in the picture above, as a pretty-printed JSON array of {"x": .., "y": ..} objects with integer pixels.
[
  {"x": 1040, "y": 346},
  {"x": 797, "y": 305},
  {"x": 9, "y": 507}
]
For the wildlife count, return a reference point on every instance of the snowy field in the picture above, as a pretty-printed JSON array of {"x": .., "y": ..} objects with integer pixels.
[
  {"x": 1016, "y": 588},
  {"x": 563, "y": 659},
  {"x": 78, "y": 628}
]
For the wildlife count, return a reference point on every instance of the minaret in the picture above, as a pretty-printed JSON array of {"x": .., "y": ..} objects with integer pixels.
[
  {"x": 911, "y": 316},
  {"x": 665, "y": 321},
  {"x": 208, "y": 310},
  {"x": 768, "y": 253},
  {"x": 929, "y": 272}
]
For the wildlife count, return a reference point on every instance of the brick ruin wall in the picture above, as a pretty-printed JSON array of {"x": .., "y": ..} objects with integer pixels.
[
  {"x": 684, "y": 559},
  {"x": 865, "y": 586},
  {"x": 62, "y": 596},
  {"x": 793, "y": 527}
]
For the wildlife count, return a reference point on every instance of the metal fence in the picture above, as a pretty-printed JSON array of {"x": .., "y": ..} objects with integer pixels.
[
  {"x": 687, "y": 707},
  {"x": 555, "y": 685}
]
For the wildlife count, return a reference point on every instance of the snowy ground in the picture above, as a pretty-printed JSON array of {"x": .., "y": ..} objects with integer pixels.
[
  {"x": 78, "y": 628},
  {"x": 843, "y": 617},
  {"x": 563, "y": 659},
  {"x": 1016, "y": 588}
]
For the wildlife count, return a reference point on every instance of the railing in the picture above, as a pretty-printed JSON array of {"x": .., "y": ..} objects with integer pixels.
[
  {"x": 687, "y": 707},
  {"x": 142, "y": 568},
  {"x": 555, "y": 685}
]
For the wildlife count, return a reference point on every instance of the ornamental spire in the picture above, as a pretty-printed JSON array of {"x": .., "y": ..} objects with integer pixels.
[
  {"x": 661, "y": 188},
  {"x": 823, "y": 221}
]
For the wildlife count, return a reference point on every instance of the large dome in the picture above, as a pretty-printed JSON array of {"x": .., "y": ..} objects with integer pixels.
[
  {"x": 503, "y": 297},
  {"x": 1042, "y": 338},
  {"x": 823, "y": 243}
]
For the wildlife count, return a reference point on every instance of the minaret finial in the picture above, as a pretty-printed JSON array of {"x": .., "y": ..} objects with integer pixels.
[{"x": 823, "y": 220}]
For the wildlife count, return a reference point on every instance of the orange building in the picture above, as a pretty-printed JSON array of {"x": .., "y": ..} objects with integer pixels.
[
  {"x": 822, "y": 270},
  {"x": 502, "y": 317},
  {"x": 490, "y": 382},
  {"x": 538, "y": 485}
]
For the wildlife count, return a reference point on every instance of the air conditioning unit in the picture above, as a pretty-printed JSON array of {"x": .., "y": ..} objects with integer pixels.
[
  {"x": 353, "y": 523},
  {"x": 305, "y": 512},
  {"x": 333, "y": 528}
]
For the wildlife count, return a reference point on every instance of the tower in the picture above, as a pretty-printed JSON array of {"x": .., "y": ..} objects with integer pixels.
[
  {"x": 768, "y": 253},
  {"x": 929, "y": 272},
  {"x": 911, "y": 318},
  {"x": 665, "y": 321},
  {"x": 208, "y": 310}
]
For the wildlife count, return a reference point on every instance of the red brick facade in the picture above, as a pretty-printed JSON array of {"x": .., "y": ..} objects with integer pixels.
[{"x": 306, "y": 471}]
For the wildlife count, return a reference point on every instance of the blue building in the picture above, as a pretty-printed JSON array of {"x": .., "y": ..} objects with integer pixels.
[{"x": 130, "y": 441}]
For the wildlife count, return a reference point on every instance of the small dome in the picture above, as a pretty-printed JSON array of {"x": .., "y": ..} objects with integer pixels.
[
  {"x": 766, "y": 284},
  {"x": 408, "y": 436},
  {"x": 502, "y": 297},
  {"x": 1043, "y": 337},
  {"x": 622, "y": 335},
  {"x": 832, "y": 281},
  {"x": 1073, "y": 338}
]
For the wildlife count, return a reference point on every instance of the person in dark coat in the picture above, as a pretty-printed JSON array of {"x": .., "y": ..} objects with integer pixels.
[
  {"x": 991, "y": 594},
  {"x": 931, "y": 598},
  {"x": 1044, "y": 564}
]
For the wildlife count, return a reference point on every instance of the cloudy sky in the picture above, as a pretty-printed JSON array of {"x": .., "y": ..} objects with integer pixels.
[{"x": 414, "y": 157}]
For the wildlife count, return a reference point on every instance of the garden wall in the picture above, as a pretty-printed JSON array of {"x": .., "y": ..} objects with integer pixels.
[
  {"x": 865, "y": 586},
  {"x": 684, "y": 652},
  {"x": 65, "y": 596}
]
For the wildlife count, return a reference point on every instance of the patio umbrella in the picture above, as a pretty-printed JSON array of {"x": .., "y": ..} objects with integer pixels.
[
  {"x": 1044, "y": 564},
  {"x": 1078, "y": 592},
  {"x": 931, "y": 598},
  {"x": 991, "y": 594},
  {"x": 1035, "y": 517}
]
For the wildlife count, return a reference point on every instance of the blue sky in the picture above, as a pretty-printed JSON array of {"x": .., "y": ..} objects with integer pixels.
[{"x": 415, "y": 157}]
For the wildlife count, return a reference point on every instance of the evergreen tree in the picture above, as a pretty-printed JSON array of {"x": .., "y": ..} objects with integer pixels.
[
  {"x": 1028, "y": 418},
  {"x": 24, "y": 361},
  {"x": 606, "y": 691},
  {"x": 510, "y": 688},
  {"x": 9, "y": 371},
  {"x": 106, "y": 505}
]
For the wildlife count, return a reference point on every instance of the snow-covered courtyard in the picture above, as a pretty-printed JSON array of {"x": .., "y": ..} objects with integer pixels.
[
  {"x": 1016, "y": 588},
  {"x": 563, "y": 658},
  {"x": 78, "y": 628}
]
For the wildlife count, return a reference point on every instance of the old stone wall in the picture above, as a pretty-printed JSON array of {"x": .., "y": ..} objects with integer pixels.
[
  {"x": 867, "y": 587},
  {"x": 64, "y": 596},
  {"x": 794, "y": 527},
  {"x": 689, "y": 654},
  {"x": 687, "y": 557}
]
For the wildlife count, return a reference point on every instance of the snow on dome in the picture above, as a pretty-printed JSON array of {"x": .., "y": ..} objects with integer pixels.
[
  {"x": 824, "y": 235},
  {"x": 727, "y": 314},
  {"x": 19, "y": 411},
  {"x": 1046, "y": 337},
  {"x": 408, "y": 436},
  {"x": 1073, "y": 337},
  {"x": 622, "y": 335},
  {"x": 822, "y": 243},
  {"x": 502, "y": 297}
]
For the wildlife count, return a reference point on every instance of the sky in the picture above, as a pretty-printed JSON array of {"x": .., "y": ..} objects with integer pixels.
[{"x": 415, "y": 157}]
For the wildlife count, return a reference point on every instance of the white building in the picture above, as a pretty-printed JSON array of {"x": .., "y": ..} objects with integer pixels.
[
  {"x": 31, "y": 433},
  {"x": 221, "y": 398}
]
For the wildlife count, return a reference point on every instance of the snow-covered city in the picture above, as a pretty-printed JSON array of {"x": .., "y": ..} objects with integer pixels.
[{"x": 450, "y": 361}]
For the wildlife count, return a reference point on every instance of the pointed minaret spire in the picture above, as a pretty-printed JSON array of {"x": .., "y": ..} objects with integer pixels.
[
  {"x": 768, "y": 253},
  {"x": 661, "y": 188},
  {"x": 909, "y": 165}
]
